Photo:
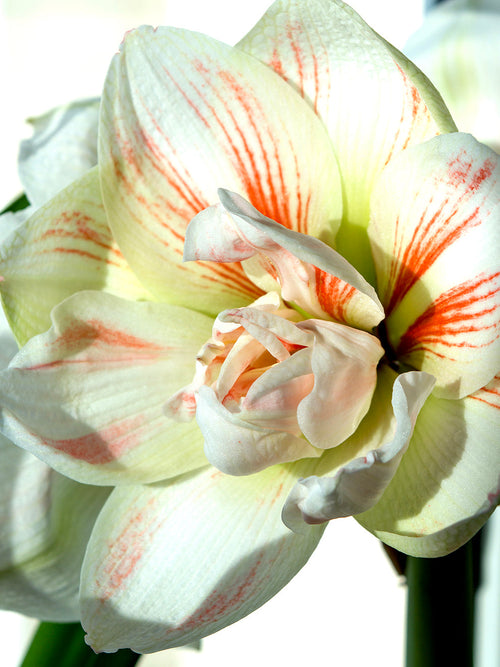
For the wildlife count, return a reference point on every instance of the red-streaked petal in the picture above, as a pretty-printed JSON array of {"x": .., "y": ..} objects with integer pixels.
[
  {"x": 448, "y": 482},
  {"x": 435, "y": 234},
  {"x": 309, "y": 273},
  {"x": 183, "y": 115},
  {"x": 170, "y": 563},
  {"x": 66, "y": 246},
  {"x": 373, "y": 102},
  {"x": 87, "y": 397}
]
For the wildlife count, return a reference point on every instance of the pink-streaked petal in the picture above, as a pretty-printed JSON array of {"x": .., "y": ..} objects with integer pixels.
[
  {"x": 102, "y": 373},
  {"x": 435, "y": 234},
  {"x": 169, "y": 564},
  {"x": 63, "y": 147},
  {"x": 372, "y": 100},
  {"x": 448, "y": 482},
  {"x": 236, "y": 446},
  {"x": 344, "y": 365},
  {"x": 307, "y": 271},
  {"x": 45, "y": 523},
  {"x": 64, "y": 247},
  {"x": 358, "y": 485},
  {"x": 184, "y": 115}
]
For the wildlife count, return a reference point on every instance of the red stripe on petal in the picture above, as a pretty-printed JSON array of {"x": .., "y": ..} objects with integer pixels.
[
  {"x": 333, "y": 294},
  {"x": 489, "y": 394},
  {"x": 454, "y": 318},
  {"x": 102, "y": 446},
  {"x": 437, "y": 230}
]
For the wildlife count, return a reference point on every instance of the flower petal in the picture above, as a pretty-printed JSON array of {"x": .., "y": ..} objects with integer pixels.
[
  {"x": 344, "y": 364},
  {"x": 237, "y": 446},
  {"x": 342, "y": 68},
  {"x": 183, "y": 115},
  {"x": 103, "y": 373},
  {"x": 170, "y": 563},
  {"x": 309, "y": 272},
  {"x": 65, "y": 247},
  {"x": 448, "y": 482},
  {"x": 63, "y": 147},
  {"x": 360, "y": 483},
  {"x": 435, "y": 236},
  {"x": 45, "y": 522}
]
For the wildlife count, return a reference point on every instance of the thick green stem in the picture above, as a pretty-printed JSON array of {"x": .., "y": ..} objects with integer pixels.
[
  {"x": 62, "y": 644},
  {"x": 440, "y": 617}
]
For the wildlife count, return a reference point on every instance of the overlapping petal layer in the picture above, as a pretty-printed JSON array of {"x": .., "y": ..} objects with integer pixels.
[
  {"x": 343, "y": 69},
  {"x": 184, "y": 115},
  {"x": 111, "y": 364},
  {"x": 170, "y": 563},
  {"x": 435, "y": 234},
  {"x": 365, "y": 464},
  {"x": 448, "y": 482},
  {"x": 64, "y": 247},
  {"x": 308, "y": 272}
]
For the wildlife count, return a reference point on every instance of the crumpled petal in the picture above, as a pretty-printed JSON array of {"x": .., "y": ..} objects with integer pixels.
[
  {"x": 102, "y": 373},
  {"x": 45, "y": 523},
  {"x": 184, "y": 115},
  {"x": 64, "y": 247},
  {"x": 435, "y": 234},
  {"x": 358, "y": 485},
  {"x": 448, "y": 482},
  {"x": 372, "y": 100},
  {"x": 307, "y": 271},
  {"x": 168, "y": 564},
  {"x": 63, "y": 147}
]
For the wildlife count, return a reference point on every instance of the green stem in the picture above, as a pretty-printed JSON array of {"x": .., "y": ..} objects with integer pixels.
[
  {"x": 440, "y": 618},
  {"x": 62, "y": 644}
]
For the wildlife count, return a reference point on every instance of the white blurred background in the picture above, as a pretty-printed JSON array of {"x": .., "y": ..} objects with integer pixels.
[{"x": 347, "y": 606}]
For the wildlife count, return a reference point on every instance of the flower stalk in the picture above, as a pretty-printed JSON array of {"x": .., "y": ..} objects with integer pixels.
[{"x": 440, "y": 612}]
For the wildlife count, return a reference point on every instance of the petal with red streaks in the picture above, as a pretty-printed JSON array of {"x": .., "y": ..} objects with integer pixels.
[
  {"x": 87, "y": 397},
  {"x": 183, "y": 115},
  {"x": 45, "y": 522},
  {"x": 307, "y": 271},
  {"x": 170, "y": 563},
  {"x": 372, "y": 100},
  {"x": 435, "y": 235},
  {"x": 64, "y": 247},
  {"x": 448, "y": 482}
]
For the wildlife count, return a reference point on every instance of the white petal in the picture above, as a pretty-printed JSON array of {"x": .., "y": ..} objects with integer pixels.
[
  {"x": 359, "y": 484},
  {"x": 45, "y": 522},
  {"x": 87, "y": 397},
  {"x": 63, "y": 147},
  {"x": 170, "y": 563},
  {"x": 448, "y": 482},
  {"x": 238, "y": 447}
]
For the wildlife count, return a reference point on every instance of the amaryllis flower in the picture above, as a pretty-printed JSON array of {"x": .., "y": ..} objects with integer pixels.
[{"x": 274, "y": 302}]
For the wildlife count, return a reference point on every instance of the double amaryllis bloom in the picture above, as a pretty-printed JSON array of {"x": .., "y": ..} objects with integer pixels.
[{"x": 273, "y": 302}]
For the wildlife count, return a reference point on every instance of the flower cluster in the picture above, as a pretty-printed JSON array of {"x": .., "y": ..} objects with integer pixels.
[{"x": 273, "y": 302}]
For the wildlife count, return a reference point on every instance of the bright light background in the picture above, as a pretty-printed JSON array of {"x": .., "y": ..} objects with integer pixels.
[{"x": 347, "y": 606}]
